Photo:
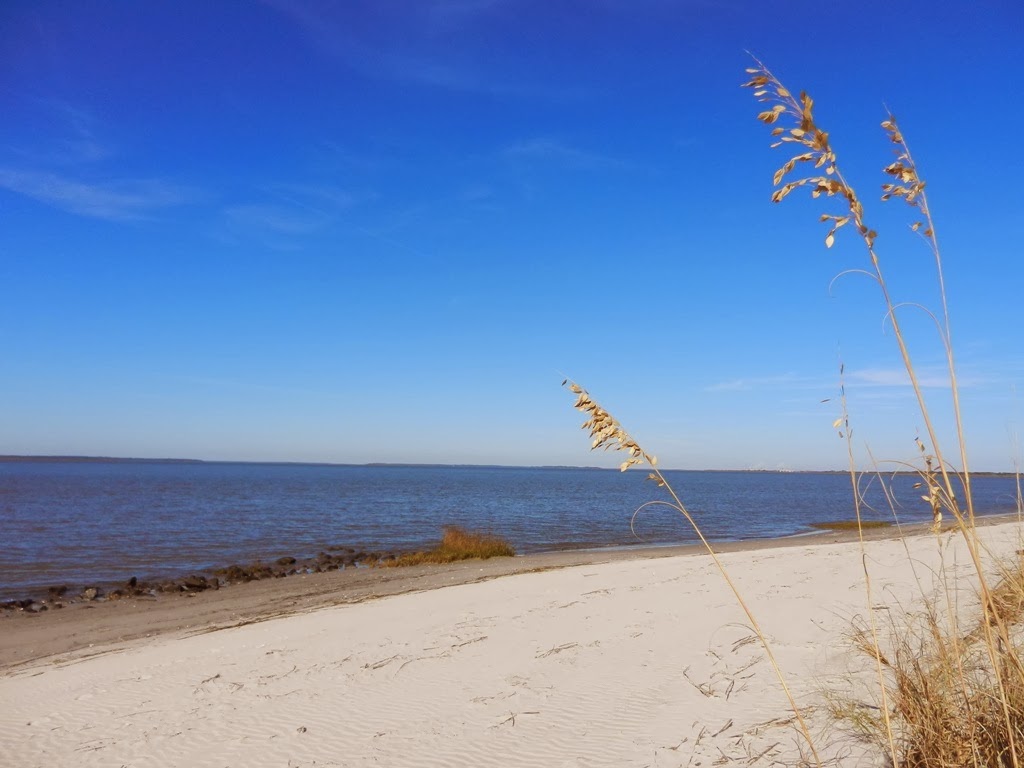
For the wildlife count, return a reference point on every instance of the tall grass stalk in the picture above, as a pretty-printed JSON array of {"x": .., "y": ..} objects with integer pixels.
[
  {"x": 846, "y": 433},
  {"x": 608, "y": 434}
]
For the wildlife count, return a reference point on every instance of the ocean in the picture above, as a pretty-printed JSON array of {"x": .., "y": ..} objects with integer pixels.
[{"x": 82, "y": 523}]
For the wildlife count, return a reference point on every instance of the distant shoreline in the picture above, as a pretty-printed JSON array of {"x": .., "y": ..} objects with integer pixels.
[{"x": 31, "y": 459}]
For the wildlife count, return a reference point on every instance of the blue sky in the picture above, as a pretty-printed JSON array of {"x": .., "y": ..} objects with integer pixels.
[{"x": 385, "y": 231}]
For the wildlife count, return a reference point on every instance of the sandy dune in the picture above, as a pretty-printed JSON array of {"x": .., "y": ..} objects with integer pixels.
[{"x": 627, "y": 663}]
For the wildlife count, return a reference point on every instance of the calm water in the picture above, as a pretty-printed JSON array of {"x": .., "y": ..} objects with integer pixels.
[{"x": 83, "y": 523}]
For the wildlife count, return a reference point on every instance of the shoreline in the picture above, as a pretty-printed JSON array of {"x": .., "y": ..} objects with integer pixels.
[
  {"x": 84, "y": 629},
  {"x": 60, "y": 593}
]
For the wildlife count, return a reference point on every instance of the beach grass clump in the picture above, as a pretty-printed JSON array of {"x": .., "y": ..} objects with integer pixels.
[
  {"x": 947, "y": 685},
  {"x": 457, "y": 544},
  {"x": 947, "y": 703}
]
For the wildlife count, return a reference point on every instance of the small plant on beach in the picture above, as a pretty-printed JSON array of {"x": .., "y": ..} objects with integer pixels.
[
  {"x": 457, "y": 544},
  {"x": 948, "y": 705},
  {"x": 852, "y": 525}
]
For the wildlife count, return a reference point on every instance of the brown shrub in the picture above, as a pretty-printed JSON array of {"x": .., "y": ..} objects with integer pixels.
[{"x": 457, "y": 544}]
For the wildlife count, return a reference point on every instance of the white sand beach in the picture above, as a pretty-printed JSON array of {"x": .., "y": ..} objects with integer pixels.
[{"x": 637, "y": 662}]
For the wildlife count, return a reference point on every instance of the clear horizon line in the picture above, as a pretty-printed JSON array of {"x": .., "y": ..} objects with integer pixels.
[{"x": 86, "y": 459}]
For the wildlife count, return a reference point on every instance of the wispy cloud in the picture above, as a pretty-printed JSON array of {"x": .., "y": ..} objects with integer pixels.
[
  {"x": 432, "y": 43},
  {"x": 277, "y": 219},
  {"x": 477, "y": 193},
  {"x": 555, "y": 152},
  {"x": 331, "y": 32},
  {"x": 884, "y": 380},
  {"x": 929, "y": 378},
  {"x": 80, "y": 142},
  {"x": 784, "y": 380},
  {"x": 320, "y": 198},
  {"x": 330, "y": 155},
  {"x": 66, "y": 135},
  {"x": 285, "y": 212},
  {"x": 122, "y": 199}
]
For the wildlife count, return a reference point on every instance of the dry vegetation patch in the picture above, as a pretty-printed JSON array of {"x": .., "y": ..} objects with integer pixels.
[
  {"x": 457, "y": 544},
  {"x": 851, "y": 525},
  {"x": 955, "y": 693}
]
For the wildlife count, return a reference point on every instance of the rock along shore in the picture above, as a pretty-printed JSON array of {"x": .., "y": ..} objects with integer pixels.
[{"x": 334, "y": 558}]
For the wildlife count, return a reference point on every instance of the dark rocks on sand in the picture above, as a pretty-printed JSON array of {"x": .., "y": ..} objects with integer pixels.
[
  {"x": 242, "y": 574},
  {"x": 233, "y": 573},
  {"x": 133, "y": 588},
  {"x": 334, "y": 558},
  {"x": 194, "y": 584},
  {"x": 15, "y": 605}
]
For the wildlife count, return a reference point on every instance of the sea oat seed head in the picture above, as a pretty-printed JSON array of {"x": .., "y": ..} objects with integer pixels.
[
  {"x": 605, "y": 432},
  {"x": 806, "y": 133}
]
